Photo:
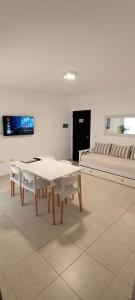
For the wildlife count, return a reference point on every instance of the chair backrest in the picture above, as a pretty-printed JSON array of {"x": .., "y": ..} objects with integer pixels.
[
  {"x": 27, "y": 176},
  {"x": 14, "y": 169},
  {"x": 69, "y": 180},
  {"x": 31, "y": 181},
  {"x": 15, "y": 174},
  {"x": 67, "y": 186},
  {"x": 66, "y": 161},
  {"x": 28, "y": 181}
]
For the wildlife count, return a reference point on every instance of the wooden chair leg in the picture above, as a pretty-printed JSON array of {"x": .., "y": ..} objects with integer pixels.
[
  {"x": 62, "y": 212},
  {"x": 65, "y": 200},
  {"x": 80, "y": 201},
  {"x": 53, "y": 205},
  {"x": 36, "y": 204},
  {"x": 43, "y": 194},
  {"x": 46, "y": 192},
  {"x": 49, "y": 201},
  {"x": 22, "y": 198},
  {"x": 13, "y": 188},
  {"x": 58, "y": 199}
]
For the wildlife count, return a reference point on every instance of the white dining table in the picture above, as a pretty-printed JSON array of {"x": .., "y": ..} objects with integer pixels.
[{"x": 50, "y": 170}]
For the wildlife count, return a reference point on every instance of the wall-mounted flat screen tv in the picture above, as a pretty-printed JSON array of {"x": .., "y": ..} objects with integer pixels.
[{"x": 18, "y": 125}]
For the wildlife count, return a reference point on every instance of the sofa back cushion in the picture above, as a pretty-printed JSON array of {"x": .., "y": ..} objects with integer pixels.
[
  {"x": 132, "y": 156},
  {"x": 102, "y": 148},
  {"x": 120, "y": 151}
]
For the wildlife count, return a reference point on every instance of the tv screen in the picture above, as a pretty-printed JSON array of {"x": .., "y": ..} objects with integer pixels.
[{"x": 18, "y": 125}]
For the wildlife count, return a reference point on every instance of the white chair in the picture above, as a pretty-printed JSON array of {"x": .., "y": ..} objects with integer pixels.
[
  {"x": 33, "y": 184},
  {"x": 66, "y": 187},
  {"x": 15, "y": 178},
  {"x": 69, "y": 163},
  {"x": 46, "y": 184}
]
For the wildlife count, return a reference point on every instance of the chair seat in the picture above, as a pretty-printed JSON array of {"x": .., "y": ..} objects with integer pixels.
[
  {"x": 33, "y": 184},
  {"x": 15, "y": 178},
  {"x": 28, "y": 186}
]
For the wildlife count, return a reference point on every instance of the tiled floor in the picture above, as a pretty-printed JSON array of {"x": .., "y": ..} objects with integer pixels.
[{"x": 90, "y": 257}]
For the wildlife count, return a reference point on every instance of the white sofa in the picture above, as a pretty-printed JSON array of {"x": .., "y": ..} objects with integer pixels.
[{"x": 113, "y": 168}]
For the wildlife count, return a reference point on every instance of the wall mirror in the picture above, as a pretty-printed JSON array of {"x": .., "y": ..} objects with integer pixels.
[{"x": 122, "y": 125}]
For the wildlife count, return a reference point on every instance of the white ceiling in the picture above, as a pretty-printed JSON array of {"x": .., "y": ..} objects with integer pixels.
[{"x": 42, "y": 39}]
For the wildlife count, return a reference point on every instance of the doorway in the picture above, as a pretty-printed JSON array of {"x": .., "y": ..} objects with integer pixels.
[{"x": 81, "y": 131}]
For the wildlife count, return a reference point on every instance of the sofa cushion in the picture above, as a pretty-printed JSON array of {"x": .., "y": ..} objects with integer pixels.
[
  {"x": 120, "y": 151},
  {"x": 101, "y": 148},
  {"x": 133, "y": 153}
]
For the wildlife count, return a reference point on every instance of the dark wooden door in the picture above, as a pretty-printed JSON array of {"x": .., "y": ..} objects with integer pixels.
[{"x": 81, "y": 131}]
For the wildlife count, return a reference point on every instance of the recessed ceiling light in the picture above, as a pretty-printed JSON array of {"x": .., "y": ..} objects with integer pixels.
[{"x": 71, "y": 75}]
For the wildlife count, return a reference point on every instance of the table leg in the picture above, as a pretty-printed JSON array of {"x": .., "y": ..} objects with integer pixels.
[
  {"x": 53, "y": 205},
  {"x": 80, "y": 194}
]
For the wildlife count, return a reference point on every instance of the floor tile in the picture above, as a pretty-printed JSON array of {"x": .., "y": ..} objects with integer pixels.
[
  {"x": 60, "y": 253},
  {"x": 30, "y": 277},
  {"x": 58, "y": 290},
  {"x": 130, "y": 191},
  {"x": 11, "y": 206},
  {"x": 7, "y": 227},
  {"x": 13, "y": 249},
  {"x": 124, "y": 234},
  {"x": 35, "y": 229},
  {"x": 129, "y": 217},
  {"x": 6, "y": 291},
  {"x": 110, "y": 253},
  {"x": 103, "y": 217},
  {"x": 123, "y": 200},
  {"x": 4, "y": 183},
  {"x": 81, "y": 235},
  {"x": 106, "y": 227},
  {"x": 69, "y": 221},
  {"x": 72, "y": 208},
  {"x": 87, "y": 278},
  {"x": 117, "y": 291},
  {"x": 112, "y": 212},
  {"x": 127, "y": 273}
]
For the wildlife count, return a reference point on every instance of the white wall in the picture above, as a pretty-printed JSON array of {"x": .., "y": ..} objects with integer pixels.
[
  {"x": 50, "y": 112},
  {"x": 106, "y": 103},
  {"x": 50, "y": 138}
]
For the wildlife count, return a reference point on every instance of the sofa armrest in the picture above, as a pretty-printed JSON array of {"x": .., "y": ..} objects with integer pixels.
[{"x": 84, "y": 152}]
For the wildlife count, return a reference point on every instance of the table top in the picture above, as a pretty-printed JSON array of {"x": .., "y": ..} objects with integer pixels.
[{"x": 48, "y": 169}]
